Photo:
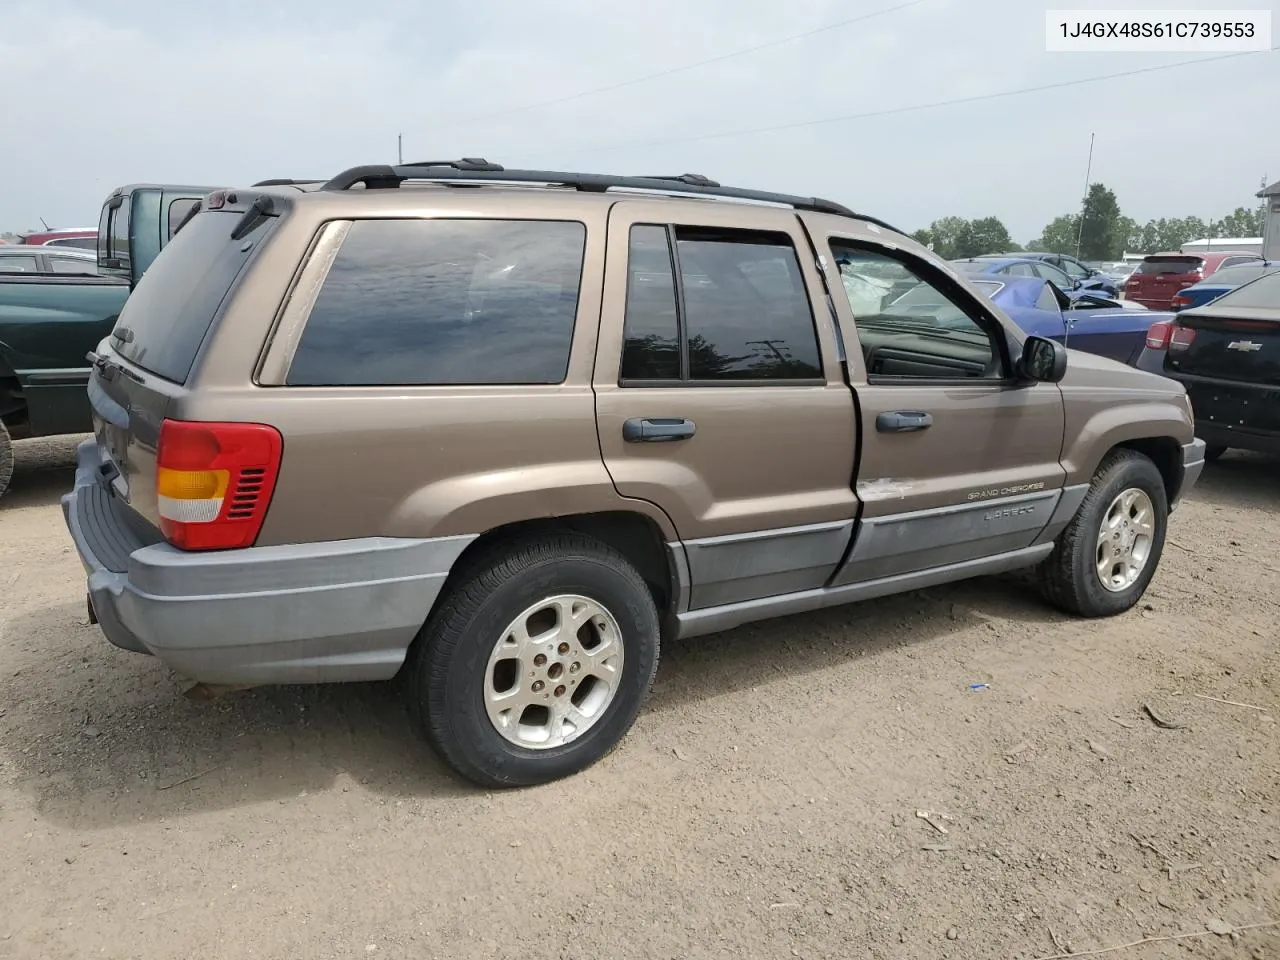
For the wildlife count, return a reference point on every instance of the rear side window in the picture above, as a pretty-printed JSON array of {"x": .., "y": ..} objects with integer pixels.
[
  {"x": 730, "y": 305},
  {"x": 80, "y": 243},
  {"x": 1159, "y": 265},
  {"x": 171, "y": 309},
  {"x": 18, "y": 264},
  {"x": 420, "y": 302},
  {"x": 1046, "y": 300},
  {"x": 1262, "y": 293},
  {"x": 78, "y": 266}
]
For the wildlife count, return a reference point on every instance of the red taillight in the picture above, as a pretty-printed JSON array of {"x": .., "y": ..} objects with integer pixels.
[
  {"x": 1180, "y": 301},
  {"x": 1181, "y": 338},
  {"x": 1158, "y": 335},
  {"x": 214, "y": 482}
]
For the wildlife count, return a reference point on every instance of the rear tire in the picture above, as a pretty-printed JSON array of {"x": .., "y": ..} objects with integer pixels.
[
  {"x": 1102, "y": 563},
  {"x": 6, "y": 458},
  {"x": 1214, "y": 451},
  {"x": 535, "y": 662}
]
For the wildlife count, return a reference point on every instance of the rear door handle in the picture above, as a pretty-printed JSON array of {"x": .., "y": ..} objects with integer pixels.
[
  {"x": 903, "y": 421},
  {"x": 656, "y": 429}
]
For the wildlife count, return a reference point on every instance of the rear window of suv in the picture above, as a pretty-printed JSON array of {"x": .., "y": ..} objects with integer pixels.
[
  {"x": 1159, "y": 265},
  {"x": 422, "y": 302},
  {"x": 170, "y": 311}
]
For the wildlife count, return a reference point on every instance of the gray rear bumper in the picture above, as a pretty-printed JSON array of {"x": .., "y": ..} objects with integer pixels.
[{"x": 306, "y": 613}]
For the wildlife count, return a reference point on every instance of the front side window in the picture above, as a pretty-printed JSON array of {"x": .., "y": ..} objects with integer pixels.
[
  {"x": 422, "y": 302},
  {"x": 1055, "y": 276},
  {"x": 718, "y": 306},
  {"x": 913, "y": 329}
]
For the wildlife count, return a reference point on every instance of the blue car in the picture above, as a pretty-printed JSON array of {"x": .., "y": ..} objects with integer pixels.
[
  {"x": 1084, "y": 276},
  {"x": 1223, "y": 281},
  {"x": 1089, "y": 322},
  {"x": 1016, "y": 267}
]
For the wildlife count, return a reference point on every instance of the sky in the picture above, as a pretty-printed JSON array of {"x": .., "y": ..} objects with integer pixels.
[{"x": 101, "y": 94}]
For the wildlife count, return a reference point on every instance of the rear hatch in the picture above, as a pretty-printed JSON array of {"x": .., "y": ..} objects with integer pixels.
[
  {"x": 1228, "y": 354},
  {"x": 144, "y": 365},
  {"x": 1160, "y": 276}
]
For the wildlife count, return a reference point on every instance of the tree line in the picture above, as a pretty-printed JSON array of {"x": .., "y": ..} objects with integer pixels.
[{"x": 1104, "y": 234}]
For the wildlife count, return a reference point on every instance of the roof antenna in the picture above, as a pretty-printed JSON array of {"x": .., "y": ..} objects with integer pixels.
[{"x": 46, "y": 224}]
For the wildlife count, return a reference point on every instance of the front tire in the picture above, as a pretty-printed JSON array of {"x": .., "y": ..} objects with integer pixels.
[
  {"x": 536, "y": 661},
  {"x": 1104, "y": 560}
]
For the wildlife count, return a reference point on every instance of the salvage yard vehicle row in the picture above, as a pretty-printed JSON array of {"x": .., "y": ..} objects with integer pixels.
[{"x": 509, "y": 437}]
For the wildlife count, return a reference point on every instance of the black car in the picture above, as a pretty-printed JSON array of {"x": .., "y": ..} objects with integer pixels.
[
  {"x": 1227, "y": 354},
  {"x": 1085, "y": 276}
]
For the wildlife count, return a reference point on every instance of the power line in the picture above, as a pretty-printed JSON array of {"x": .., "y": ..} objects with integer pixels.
[
  {"x": 925, "y": 106},
  {"x": 682, "y": 69}
]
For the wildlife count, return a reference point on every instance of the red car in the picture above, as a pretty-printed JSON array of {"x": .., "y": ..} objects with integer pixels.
[
  {"x": 1160, "y": 276},
  {"x": 86, "y": 239}
]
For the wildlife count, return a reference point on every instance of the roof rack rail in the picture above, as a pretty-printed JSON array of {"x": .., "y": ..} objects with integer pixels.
[
  {"x": 286, "y": 182},
  {"x": 473, "y": 170}
]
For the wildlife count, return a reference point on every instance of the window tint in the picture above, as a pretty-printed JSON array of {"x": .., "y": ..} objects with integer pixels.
[
  {"x": 444, "y": 301},
  {"x": 1046, "y": 300},
  {"x": 76, "y": 265},
  {"x": 915, "y": 330},
  {"x": 17, "y": 264},
  {"x": 1159, "y": 265},
  {"x": 651, "y": 335},
  {"x": 1022, "y": 270},
  {"x": 118, "y": 234},
  {"x": 173, "y": 305},
  {"x": 178, "y": 211},
  {"x": 746, "y": 309},
  {"x": 80, "y": 243}
]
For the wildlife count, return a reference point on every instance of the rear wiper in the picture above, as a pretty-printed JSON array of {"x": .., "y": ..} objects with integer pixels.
[{"x": 261, "y": 208}]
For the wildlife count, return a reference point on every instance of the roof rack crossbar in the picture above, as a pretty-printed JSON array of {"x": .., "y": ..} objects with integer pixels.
[{"x": 385, "y": 176}]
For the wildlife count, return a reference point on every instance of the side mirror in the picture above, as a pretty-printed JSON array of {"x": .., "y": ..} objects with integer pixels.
[{"x": 1043, "y": 360}]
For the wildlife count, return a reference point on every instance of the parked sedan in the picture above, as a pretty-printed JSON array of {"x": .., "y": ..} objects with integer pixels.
[
  {"x": 1016, "y": 267},
  {"x": 1224, "y": 281},
  {"x": 1090, "y": 323},
  {"x": 1082, "y": 274},
  {"x": 1227, "y": 354}
]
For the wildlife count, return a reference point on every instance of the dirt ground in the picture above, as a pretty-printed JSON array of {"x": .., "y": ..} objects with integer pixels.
[{"x": 767, "y": 804}]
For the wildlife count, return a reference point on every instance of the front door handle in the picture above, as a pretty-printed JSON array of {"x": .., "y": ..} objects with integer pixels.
[
  {"x": 656, "y": 429},
  {"x": 903, "y": 421}
]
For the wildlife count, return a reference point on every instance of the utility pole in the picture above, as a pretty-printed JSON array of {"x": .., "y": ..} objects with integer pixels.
[
  {"x": 400, "y": 148},
  {"x": 1088, "y": 172}
]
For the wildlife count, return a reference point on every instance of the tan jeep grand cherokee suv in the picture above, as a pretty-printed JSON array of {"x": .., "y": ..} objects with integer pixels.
[{"x": 509, "y": 429}]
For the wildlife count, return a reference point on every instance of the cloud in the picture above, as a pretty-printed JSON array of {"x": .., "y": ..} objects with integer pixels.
[{"x": 144, "y": 90}]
